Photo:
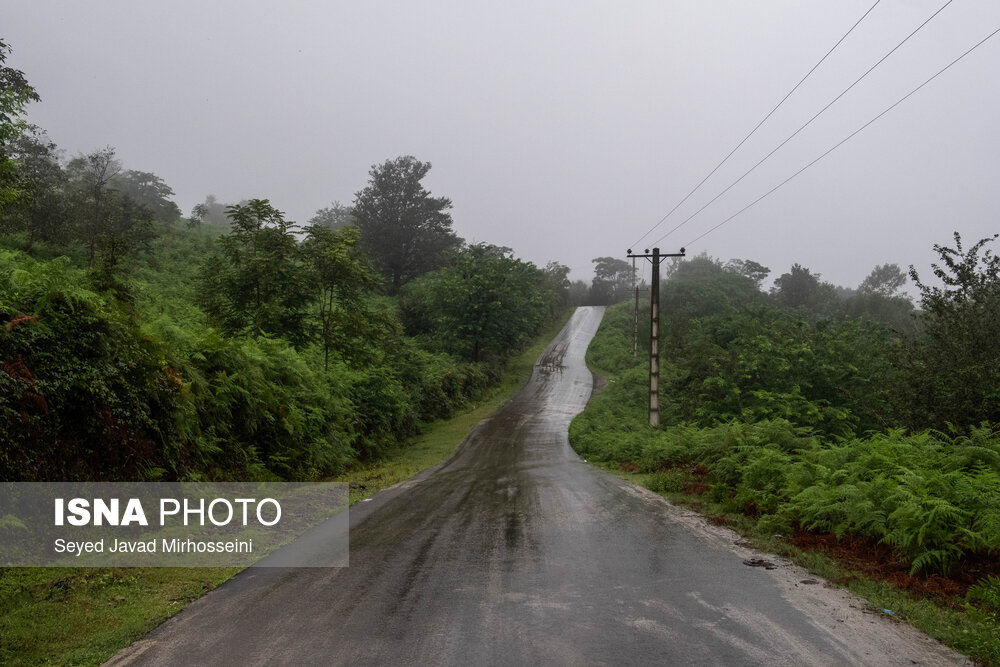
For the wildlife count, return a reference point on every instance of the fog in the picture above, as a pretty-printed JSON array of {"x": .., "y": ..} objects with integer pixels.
[{"x": 564, "y": 129}]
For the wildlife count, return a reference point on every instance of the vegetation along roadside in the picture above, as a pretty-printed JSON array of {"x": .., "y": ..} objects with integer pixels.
[
  {"x": 83, "y": 616},
  {"x": 831, "y": 426},
  {"x": 231, "y": 345}
]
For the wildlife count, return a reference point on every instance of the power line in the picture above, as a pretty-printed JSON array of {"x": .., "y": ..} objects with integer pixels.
[
  {"x": 757, "y": 126},
  {"x": 848, "y": 138},
  {"x": 807, "y": 123}
]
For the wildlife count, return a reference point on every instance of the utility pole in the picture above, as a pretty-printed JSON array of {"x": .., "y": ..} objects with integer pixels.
[
  {"x": 635, "y": 314},
  {"x": 654, "y": 331}
]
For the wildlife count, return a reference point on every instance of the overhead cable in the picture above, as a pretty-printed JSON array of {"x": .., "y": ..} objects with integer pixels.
[
  {"x": 757, "y": 126},
  {"x": 807, "y": 123},
  {"x": 845, "y": 140}
]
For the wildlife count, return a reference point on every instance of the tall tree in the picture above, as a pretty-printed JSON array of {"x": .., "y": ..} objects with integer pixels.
[
  {"x": 126, "y": 227},
  {"x": 884, "y": 280},
  {"x": 92, "y": 175},
  {"x": 749, "y": 268},
  {"x": 612, "y": 280},
  {"x": 149, "y": 190},
  {"x": 41, "y": 211},
  {"x": 557, "y": 286},
  {"x": 259, "y": 286},
  {"x": 800, "y": 288},
  {"x": 956, "y": 374},
  {"x": 342, "y": 278},
  {"x": 404, "y": 229},
  {"x": 209, "y": 212},
  {"x": 482, "y": 306},
  {"x": 15, "y": 94},
  {"x": 335, "y": 216}
]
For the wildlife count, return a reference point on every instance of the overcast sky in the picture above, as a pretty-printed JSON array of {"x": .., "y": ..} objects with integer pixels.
[{"x": 563, "y": 129}]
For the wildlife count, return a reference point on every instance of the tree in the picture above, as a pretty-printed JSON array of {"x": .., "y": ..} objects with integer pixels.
[
  {"x": 342, "y": 278},
  {"x": 41, "y": 212},
  {"x": 557, "y": 286},
  {"x": 884, "y": 280},
  {"x": 956, "y": 365},
  {"x": 91, "y": 175},
  {"x": 404, "y": 229},
  {"x": 702, "y": 286},
  {"x": 128, "y": 225},
  {"x": 335, "y": 216},
  {"x": 149, "y": 190},
  {"x": 800, "y": 288},
  {"x": 259, "y": 285},
  {"x": 749, "y": 268},
  {"x": 480, "y": 307},
  {"x": 15, "y": 94},
  {"x": 612, "y": 280},
  {"x": 578, "y": 293},
  {"x": 209, "y": 212}
]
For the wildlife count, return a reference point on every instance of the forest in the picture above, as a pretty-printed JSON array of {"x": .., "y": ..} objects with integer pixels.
[
  {"x": 234, "y": 344},
  {"x": 140, "y": 345}
]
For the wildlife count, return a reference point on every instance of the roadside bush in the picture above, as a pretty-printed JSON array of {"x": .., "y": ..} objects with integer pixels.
[
  {"x": 81, "y": 389},
  {"x": 933, "y": 496}
]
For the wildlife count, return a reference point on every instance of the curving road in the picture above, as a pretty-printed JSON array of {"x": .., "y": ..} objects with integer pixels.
[{"x": 516, "y": 552}]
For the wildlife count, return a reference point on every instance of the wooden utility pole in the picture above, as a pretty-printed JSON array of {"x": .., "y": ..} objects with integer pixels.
[
  {"x": 635, "y": 315},
  {"x": 654, "y": 331}
]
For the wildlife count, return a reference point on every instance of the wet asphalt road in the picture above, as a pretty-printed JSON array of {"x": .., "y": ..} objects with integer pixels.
[{"x": 516, "y": 552}]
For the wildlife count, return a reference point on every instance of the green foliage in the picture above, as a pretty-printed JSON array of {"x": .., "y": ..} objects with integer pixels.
[
  {"x": 482, "y": 307},
  {"x": 749, "y": 269},
  {"x": 404, "y": 229},
  {"x": 612, "y": 351},
  {"x": 209, "y": 212},
  {"x": 150, "y": 191},
  {"x": 986, "y": 592},
  {"x": 116, "y": 372},
  {"x": 259, "y": 285},
  {"x": 94, "y": 389},
  {"x": 333, "y": 217},
  {"x": 15, "y": 94},
  {"x": 82, "y": 387},
  {"x": 612, "y": 282},
  {"x": 342, "y": 277},
  {"x": 782, "y": 458},
  {"x": 768, "y": 363},
  {"x": 41, "y": 212},
  {"x": 667, "y": 481},
  {"x": 955, "y": 365},
  {"x": 800, "y": 288},
  {"x": 884, "y": 280}
]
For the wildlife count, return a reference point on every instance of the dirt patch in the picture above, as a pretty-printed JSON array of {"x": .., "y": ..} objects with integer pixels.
[
  {"x": 696, "y": 489},
  {"x": 883, "y": 562}
]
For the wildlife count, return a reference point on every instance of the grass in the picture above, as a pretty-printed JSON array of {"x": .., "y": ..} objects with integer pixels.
[{"x": 83, "y": 616}]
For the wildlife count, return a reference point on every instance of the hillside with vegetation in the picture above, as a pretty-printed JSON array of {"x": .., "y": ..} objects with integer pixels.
[
  {"x": 235, "y": 344},
  {"x": 815, "y": 416}
]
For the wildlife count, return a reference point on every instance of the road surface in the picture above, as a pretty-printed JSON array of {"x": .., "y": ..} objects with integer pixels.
[{"x": 516, "y": 552}]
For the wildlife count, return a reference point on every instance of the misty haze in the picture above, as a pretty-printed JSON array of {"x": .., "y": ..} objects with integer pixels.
[{"x": 656, "y": 333}]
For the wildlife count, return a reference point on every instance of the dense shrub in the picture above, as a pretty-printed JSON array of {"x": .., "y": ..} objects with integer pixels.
[
  {"x": 82, "y": 388},
  {"x": 934, "y": 496}
]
